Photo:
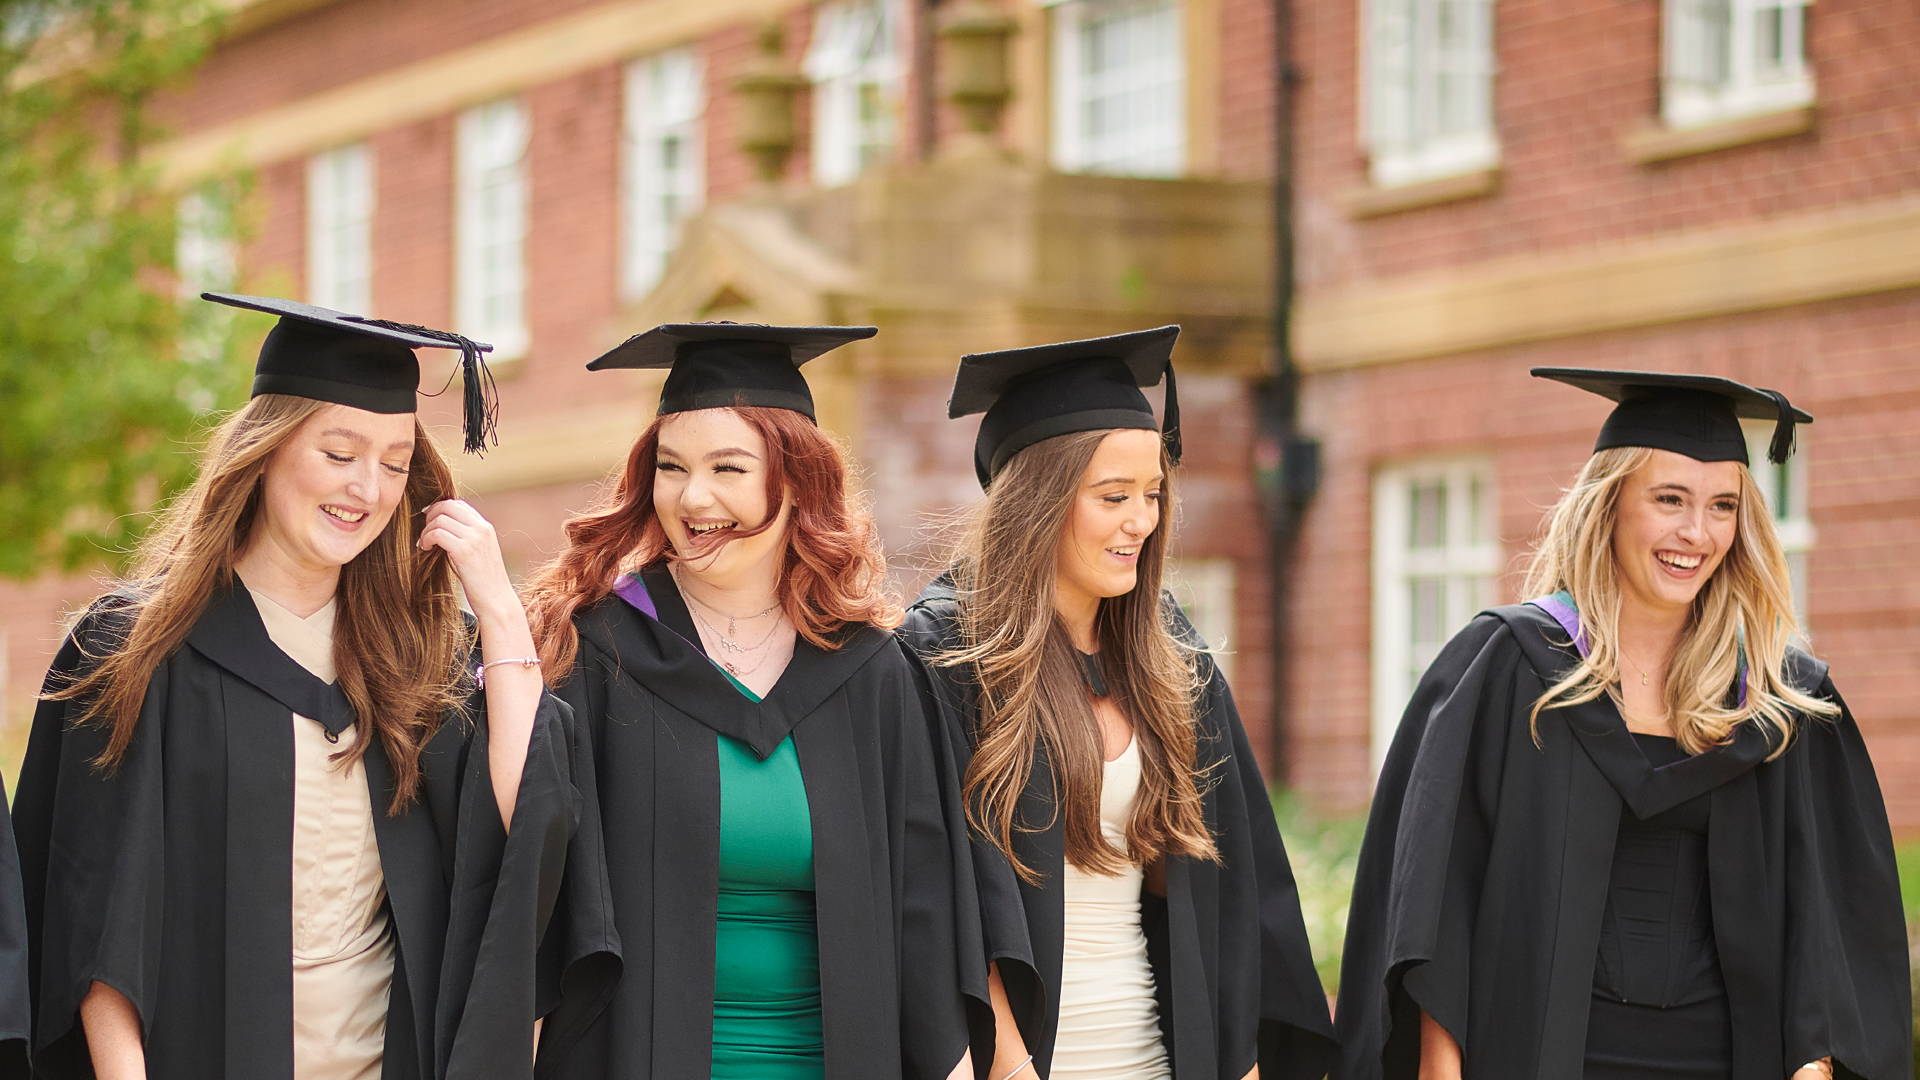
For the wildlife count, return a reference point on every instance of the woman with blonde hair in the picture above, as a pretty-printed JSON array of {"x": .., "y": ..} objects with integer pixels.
[
  {"x": 1626, "y": 830},
  {"x": 285, "y": 812},
  {"x": 783, "y": 874},
  {"x": 1140, "y": 917}
]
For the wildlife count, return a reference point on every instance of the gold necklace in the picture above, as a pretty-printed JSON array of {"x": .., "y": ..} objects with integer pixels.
[{"x": 1636, "y": 667}]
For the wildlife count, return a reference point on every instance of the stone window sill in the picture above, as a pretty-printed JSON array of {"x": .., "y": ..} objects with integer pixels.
[
  {"x": 1655, "y": 143},
  {"x": 1371, "y": 202}
]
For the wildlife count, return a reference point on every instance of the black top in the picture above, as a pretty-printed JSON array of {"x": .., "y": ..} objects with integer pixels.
[
  {"x": 327, "y": 355},
  {"x": 1656, "y": 938},
  {"x": 1695, "y": 415},
  {"x": 1483, "y": 881},
  {"x": 719, "y": 365},
  {"x": 1037, "y": 393}
]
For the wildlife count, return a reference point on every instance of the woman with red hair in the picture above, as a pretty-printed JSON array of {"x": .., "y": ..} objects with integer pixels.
[{"x": 772, "y": 805}]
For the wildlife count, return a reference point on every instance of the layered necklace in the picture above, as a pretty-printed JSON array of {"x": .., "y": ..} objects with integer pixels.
[{"x": 737, "y": 658}]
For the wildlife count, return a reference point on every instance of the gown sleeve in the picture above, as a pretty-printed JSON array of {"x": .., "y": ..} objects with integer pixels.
[
  {"x": 90, "y": 846},
  {"x": 1847, "y": 984},
  {"x": 580, "y": 959},
  {"x": 943, "y": 970},
  {"x": 504, "y": 892},
  {"x": 15, "y": 1012},
  {"x": 1416, "y": 889}
]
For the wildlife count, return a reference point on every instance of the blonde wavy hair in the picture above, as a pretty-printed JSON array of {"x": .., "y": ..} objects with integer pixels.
[{"x": 1746, "y": 605}]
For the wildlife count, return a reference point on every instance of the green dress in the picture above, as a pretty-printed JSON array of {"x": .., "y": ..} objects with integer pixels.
[{"x": 766, "y": 971}]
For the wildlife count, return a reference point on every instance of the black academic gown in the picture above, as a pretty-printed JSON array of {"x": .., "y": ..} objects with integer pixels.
[
  {"x": 1231, "y": 966},
  {"x": 16, "y": 1024},
  {"x": 171, "y": 878},
  {"x": 884, "y": 860},
  {"x": 1483, "y": 878}
]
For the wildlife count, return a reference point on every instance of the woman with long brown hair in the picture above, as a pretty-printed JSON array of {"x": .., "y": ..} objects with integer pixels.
[
  {"x": 285, "y": 813},
  {"x": 783, "y": 877},
  {"x": 1626, "y": 830},
  {"x": 1140, "y": 916}
]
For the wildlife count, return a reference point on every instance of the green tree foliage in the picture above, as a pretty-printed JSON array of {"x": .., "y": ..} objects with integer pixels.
[{"x": 105, "y": 375}]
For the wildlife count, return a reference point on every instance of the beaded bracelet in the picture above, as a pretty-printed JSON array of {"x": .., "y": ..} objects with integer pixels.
[{"x": 480, "y": 673}]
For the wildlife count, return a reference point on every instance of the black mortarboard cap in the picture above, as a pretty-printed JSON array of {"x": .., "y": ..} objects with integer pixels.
[
  {"x": 719, "y": 365},
  {"x": 1695, "y": 415},
  {"x": 327, "y": 355},
  {"x": 1036, "y": 393}
]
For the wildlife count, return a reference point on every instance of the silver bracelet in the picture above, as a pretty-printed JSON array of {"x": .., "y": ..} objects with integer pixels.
[
  {"x": 1024, "y": 1062},
  {"x": 480, "y": 673}
]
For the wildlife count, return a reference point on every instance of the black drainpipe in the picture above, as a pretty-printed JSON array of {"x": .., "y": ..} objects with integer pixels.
[{"x": 1287, "y": 465}]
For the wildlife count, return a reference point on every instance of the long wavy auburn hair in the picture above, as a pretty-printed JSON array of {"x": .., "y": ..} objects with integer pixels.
[
  {"x": 400, "y": 643},
  {"x": 1031, "y": 689},
  {"x": 832, "y": 575},
  {"x": 1747, "y": 602}
]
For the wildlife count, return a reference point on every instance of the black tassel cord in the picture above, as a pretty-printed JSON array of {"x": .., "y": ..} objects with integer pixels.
[
  {"x": 1170, "y": 424},
  {"x": 480, "y": 399},
  {"x": 1781, "y": 448}
]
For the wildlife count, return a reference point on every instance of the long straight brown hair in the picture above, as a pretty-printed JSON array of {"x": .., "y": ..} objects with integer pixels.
[
  {"x": 1031, "y": 690},
  {"x": 400, "y": 642}
]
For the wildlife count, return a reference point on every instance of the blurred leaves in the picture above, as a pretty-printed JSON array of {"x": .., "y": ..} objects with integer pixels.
[
  {"x": 1324, "y": 852},
  {"x": 105, "y": 375}
]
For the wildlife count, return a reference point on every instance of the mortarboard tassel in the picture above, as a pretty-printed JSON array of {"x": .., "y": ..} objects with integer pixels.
[
  {"x": 1170, "y": 428},
  {"x": 480, "y": 399},
  {"x": 1781, "y": 448}
]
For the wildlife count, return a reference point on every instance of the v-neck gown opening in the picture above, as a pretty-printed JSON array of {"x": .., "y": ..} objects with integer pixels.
[
  {"x": 1659, "y": 1007},
  {"x": 766, "y": 949}
]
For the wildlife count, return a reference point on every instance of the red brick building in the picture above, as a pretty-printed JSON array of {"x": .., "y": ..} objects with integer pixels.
[
  {"x": 553, "y": 176},
  {"x": 1488, "y": 185}
]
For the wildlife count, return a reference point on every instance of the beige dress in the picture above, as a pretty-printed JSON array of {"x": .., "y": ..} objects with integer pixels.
[
  {"x": 342, "y": 943},
  {"x": 1109, "y": 1023}
]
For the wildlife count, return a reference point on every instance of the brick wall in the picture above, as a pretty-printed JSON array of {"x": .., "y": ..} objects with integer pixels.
[{"x": 1573, "y": 78}]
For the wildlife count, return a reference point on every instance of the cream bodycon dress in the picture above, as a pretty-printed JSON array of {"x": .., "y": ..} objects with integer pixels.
[
  {"x": 342, "y": 943},
  {"x": 1109, "y": 1023}
]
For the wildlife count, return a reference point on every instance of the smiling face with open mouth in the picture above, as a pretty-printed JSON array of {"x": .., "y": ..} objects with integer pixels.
[
  {"x": 1676, "y": 520},
  {"x": 1115, "y": 510},
  {"x": 331, "y": 488},
  {"x": 709, "y": 487}
]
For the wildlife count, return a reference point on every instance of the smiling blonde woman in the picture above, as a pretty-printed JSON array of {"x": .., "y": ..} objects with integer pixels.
[
  {"x": 1626, "y": 830},
  {"x": 1141, "y": 920}
]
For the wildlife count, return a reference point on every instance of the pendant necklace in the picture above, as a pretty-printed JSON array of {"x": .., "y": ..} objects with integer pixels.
[{"x": 1636, "y": 667}]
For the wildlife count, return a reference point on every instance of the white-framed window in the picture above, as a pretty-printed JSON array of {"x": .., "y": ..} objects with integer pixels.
[
  {"x": 205, "y": 257},
  {"x": 340, "y": 229},
  {"x": 490, "y": 270},
  {"x": 1785, "y": 489},
  {"x": 1427, "y": 93},
  {"x": 1119, "y": 87},
  {"x": 855, "y": 62},
  {"x": 664, "y": 175},
  {"x": 1204, "y": 590},
  {"x": 1436, "y": 556},
  {"x": 1733, "y": 58}
]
